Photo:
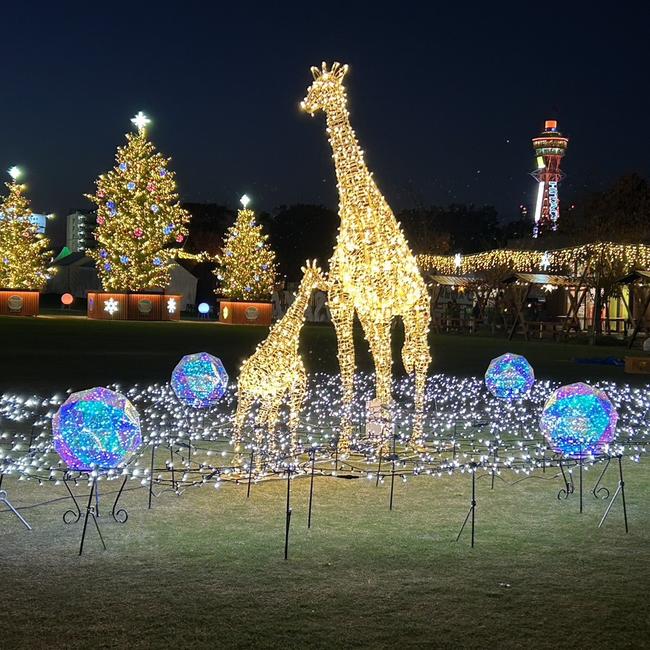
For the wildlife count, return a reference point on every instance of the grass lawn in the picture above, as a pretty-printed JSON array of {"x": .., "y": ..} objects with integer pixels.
[
  {"x": 54, "y": 353},
  {"x": 206, "y": 569}
]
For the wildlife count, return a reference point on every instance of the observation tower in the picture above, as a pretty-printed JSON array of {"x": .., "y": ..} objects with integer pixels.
[{"x": 550, "y": 147}]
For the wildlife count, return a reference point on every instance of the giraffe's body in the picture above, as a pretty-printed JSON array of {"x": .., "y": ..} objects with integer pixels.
[
  {"x": 372, "y": 271},
  {"x": 276, "y": 370}
]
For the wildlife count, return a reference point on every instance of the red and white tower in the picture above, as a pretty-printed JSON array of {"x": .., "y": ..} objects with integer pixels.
[{"x": 550, "y": 147}]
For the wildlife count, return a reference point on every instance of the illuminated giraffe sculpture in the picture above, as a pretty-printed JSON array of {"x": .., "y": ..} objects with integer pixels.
[
  {"x": 372, "y": 270},
  {"x": 276, "y": 370}
]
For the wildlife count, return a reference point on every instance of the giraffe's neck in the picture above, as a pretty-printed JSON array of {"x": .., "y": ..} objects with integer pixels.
[
  {"x": 355, "y": 183},
  {"x": 288, "y": 327}
]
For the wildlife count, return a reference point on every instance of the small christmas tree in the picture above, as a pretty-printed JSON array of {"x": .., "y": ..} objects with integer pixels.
[
  {"x": 24, "y": 254},
  {"x": 246, "y": 266},
  {"x": 139, "y": 217}
]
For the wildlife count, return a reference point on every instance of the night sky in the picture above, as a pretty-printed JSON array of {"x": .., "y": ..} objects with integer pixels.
[{"x": 444, "y": 99}]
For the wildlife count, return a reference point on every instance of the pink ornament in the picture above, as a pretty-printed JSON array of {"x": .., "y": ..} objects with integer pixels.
[
  {"x": 151, "y": 187},
  {"x": 138, "y": 233},
  {"x": 179, "y": 238},
  {"x": 101, "y": 220},
  {"x": 101, "y": 194}
]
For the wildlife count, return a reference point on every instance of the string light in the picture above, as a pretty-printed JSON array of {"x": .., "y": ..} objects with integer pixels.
[
  {"x": 139, "y": 217},
  {"x": 24, "y": 254},
  {"x": 372, "y": 271},
  {"x": 246, "y": 266},
  {"x": 276, "y": 370}
]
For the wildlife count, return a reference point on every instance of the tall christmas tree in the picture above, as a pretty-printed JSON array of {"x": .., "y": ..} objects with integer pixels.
[
  {"x": 246, "y": 266},
  {"x": 24, "y": 254},
  {"x": 139, "y": 217}
]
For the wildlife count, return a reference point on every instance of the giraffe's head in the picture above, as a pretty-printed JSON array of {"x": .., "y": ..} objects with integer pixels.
[
  {"x": 327, "y": 86},
  {"x": 312, "y": 277}
]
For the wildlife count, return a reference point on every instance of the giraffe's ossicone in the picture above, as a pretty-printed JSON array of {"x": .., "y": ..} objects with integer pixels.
[{"x": 372, "y": 270}]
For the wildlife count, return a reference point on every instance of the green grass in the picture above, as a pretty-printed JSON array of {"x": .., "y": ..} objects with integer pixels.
[
  {"x": 207, "y": 569},
  {"x": 54, "y": 353}
]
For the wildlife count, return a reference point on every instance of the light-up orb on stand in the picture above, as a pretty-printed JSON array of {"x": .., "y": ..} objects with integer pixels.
[
  {"x": 67, "y": 299},
  {"x": 96, "y": 429},
  {"x": 204, "y": 308},
  {"x": 509, "y": 376},
  {"x": 578, "y": 420},
  {"x": 199, "y": 380}
]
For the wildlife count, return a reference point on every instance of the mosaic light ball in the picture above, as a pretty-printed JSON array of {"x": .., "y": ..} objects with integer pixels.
[
  {"x": 199, "y": 380},
  {"x": 509, "y": 376},
  {"x": 578, "y": 420},
  {"x": 96, "y": 428}
]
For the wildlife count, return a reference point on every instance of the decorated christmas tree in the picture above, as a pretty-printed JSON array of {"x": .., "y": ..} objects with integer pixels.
[
  {"x": 24, "y": 254},
  {"x": 139, "y": 218},
  {"x": 246, "y": 265}
]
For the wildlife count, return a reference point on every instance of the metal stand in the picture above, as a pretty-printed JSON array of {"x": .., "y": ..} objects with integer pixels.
[
  {"x": 90, "y": 512},
  {"x": 151, "y": 468},
  {"x": 568, "y": 486},
  {"x": 288, "y": 515},
  {"x": 120, "y": 515},
  {"x": 381, "y": 449},
  {"x": 5, "y": 500},
  {"x": 250, "y": 473},
  {"x": 601, "y": 492},
  {"x": 472, "y": 507},
  {"x": 619, "y": 490},
  {"x": 392, "y": 475},
  {"x": 311, "y": 486}
]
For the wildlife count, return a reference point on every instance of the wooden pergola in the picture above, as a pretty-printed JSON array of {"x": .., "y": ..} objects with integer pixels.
[
  {"x": 521, "y": 285},
  {"x": 471, "y": 283},
  {"x": 642, "y": 277}
]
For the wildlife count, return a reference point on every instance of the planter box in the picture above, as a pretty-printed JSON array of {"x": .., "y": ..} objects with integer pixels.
[
  {"x": 107, "y": 305},
  {"x": 19, "y": 302},
  {"x": 637, "y": 365},
  {"x": 245, "y": 313}
]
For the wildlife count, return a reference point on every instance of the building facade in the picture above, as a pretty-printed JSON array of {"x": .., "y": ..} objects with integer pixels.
[{"x": 80, "y": 229}]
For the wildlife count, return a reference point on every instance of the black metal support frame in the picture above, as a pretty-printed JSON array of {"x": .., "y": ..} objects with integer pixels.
[{"x": 472, "y": 508}]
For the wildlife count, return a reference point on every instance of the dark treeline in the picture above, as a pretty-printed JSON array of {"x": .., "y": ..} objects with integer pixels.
[{"x": 299, "y": 232}]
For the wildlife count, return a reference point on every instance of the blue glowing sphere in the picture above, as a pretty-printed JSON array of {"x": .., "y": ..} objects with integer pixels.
[
  {"x": 204, "y": 308},
  {"x": 578, "y": 420},
  {"x": 96, "y": 429},
  {"x": 509, "y": 376},
  {"x": 199, "y": 380}
]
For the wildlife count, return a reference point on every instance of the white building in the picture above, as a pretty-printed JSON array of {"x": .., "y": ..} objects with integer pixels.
[{"x": 80, "y": 228}]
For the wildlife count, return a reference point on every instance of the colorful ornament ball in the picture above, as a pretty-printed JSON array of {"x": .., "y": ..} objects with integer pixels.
[
  {"x": 578, "y": 420},
  {"x": 96, "y": 429},
  {"x": 199, "y": 380},
  {"x": 204, "y": 308},
  {"x": 509, "y": 376}
]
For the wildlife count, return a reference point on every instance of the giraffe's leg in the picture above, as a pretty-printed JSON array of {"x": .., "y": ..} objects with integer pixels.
[
  {"x": 261, "y": 428},
  {"x": 417, "y": 358},
  {"x": 378, "y": 336},
  {"x": 295, "y": 404},
  {"x": 342, "y": 316},
  {"x": 244, "y": 402},
  {"x": 272, "y": 423}
]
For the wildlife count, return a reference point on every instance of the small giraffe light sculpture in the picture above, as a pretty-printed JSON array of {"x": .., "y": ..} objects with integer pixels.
[
  {"x": 276, "y": 370},
  {"x": 372, "y": 270}
]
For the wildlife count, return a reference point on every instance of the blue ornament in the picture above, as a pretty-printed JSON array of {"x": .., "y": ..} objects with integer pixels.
[
  {"x": 248, "y": 289},
  {"x": 578, "y": 420},
  {"x": 130, "y": 185},
  {"x": 5, "y": 260},
  {"x": 168, "y": 229},
  {"x": 154, "y": 208},
  {"x": 509, "y": 376},
  {"x": 107, "y": 266},
  {"x": 103, "y": 253},
  {"x": 229, "y": 253},
  {"x": 123, "y": 167},
  {"x": 199, "y": 380},
  {"x": 96, "y": 429},
  {"x": 124, "y": 259},
  {"x": 265, "y": 267},
  {"x": 157, "y": 261},
  {"x": 110, "y": 205},
  {"x": 256, "y": 278},
  {"x": 163, "y": 172}
]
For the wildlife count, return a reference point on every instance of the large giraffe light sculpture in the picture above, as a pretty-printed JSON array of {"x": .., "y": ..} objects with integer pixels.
[
  {"x": 372, "y": 270},
  {"x": 275, "y": 370}
]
